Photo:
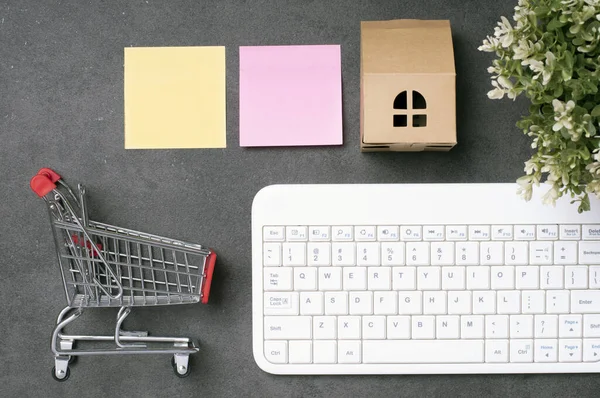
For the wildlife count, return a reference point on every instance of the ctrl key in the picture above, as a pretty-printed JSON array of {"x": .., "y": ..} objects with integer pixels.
[{"x": 276, "y": 351}]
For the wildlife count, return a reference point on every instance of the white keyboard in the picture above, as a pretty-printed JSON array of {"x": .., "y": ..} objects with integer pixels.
[{"x": 429, "y": 278}]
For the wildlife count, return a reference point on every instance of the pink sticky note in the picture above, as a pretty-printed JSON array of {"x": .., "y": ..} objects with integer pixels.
[{"x": 290, "y": 95}]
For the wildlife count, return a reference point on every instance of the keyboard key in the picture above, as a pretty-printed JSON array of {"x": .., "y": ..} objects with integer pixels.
[
  {"x": 274, "y": 234},
  {"x": 342, "y": 233},
  {"x": 354, "y": 278},
  {"x": 410, "y": 303},
  {"x": 392, "y": 253},
  {"x": 447, "y": 327},
  {"x": 388, "y": 233},
  {"x": 569, "y": 232},
  {"x": 319, "y": 233},
  {"x": 496, "y": 327},
  {"x": 479, "y": 232},
  {"x": 589, "y": 253},
  {"x": 324, "y": 327},
  {"x": 319, "y": 253},
  {"x": 398, "y": 327},
  {"x": 557, "y": 302},
  {"x": 336, "y": 303},
  {"x": 524, "y": 232},
  {"x": 433, "y": 232},
  {"x": 540, "y": 253},
  {"x": 373, "y": 327},
  {"x": 546, "y": 350},
  {"x": 508, "y": 302},
  {"x": 521, "y": 350},
  {"x": 343, "y": 254},
  {"x": 459, "y": 302},
  {"x": 330, "y": 278},
  {"x": 288, "y": 327},
  {"x": 277, "y": 279},
  {"x": 434, "y": 303},
  {"x": 412, "y": 232},
  {"x": 296, "y": 233},
  {"x": 472, "y": 327},
  {"x": 591, "y": 232},
  {"x": 591, "y": 350},
  {"x": 429, "y": 278},
  {"x": 491, "y": 253},
  {"x": 417, "y": 253},
  {"x": 305, "y": 278},
  {"x": 527, "y": 277},
  {"x": 404, "y": 278},
  {"x": 367, "y": 253},
  {"x": 385, "y": 303},
  {"x": 467, "y": 253},
  {"x": 272, "y": 254},
  {"x": 496, "y": 351},
  {"x": 279, "y": 303},
  {"x": 569, "y": 350},
  {"x": 365, "y": 233},
  {"x": 360, "y": 303},
  {"x": 516, "y": 253},
  {"x": 565, "y": 253},
  {"x": 502, "y": 232},
  {"x": 521, "y": 326},
  {"x": 594, "y": 280},
  {"x": 442, "y": 253},
  {"x": 547, "y": 232},
  {"x": 484, "y": 302},
  {"x": 591, "y": 325},
  {"x": 533, "y": 301},
  {"x": 478, "y": 278},
  {"x": 552, "y": 277},
  {"x": 294, "y": 254},
  {"x": 348, "y": 327},
  {"x": 300, "y": 351},
  {"x": 576, "y": 277},
  {"x": 453, "y": 278},
  {"x": 325, "y": 351},
  {"x": 423, "y": 351},
  {"x": 379, "y": 278},
  {"x": 423, "y": 327},
  {"x": 503, "y": 278},
  {"x": 570, "y": 326},
  {"x": 546, "y": 326},
  {"x": 349, "y": 351},
  {"x": 311, "y": 303},
  {"x": 585, "y": 301},
  {"x": 456, "y": 232},
  {"x": 276, "y": 351}
]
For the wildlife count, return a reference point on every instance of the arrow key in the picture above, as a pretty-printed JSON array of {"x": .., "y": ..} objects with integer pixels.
[
  {"x": 569, "y": 326},
  {"x": 546, "y": 350},
  {"x": 591, "y": 350},
  {"x": 569, "y": 350}
]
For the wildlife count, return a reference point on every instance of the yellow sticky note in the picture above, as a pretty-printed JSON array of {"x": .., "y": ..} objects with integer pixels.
[{"x": 174, "y": 97}]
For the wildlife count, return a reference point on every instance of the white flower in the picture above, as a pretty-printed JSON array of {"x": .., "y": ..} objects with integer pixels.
[
  {"x": 550, "y": 197},
  {"x": 525, "y": 189},
  {"x": 523, "y": 49},
  {"x": 490, "y": 44},
  {"x": 531, "y": 167},
  {"x": 497, "y": 93},
  {"x": 562, "y": 115},
  {"x": 504, "y": 32}
]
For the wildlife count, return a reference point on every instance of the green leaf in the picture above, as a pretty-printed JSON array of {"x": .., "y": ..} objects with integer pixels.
[
  {"x": 596, "y": 111},
  {"x": 555, "y": 24},
  {"x": 541, "y": 10}
]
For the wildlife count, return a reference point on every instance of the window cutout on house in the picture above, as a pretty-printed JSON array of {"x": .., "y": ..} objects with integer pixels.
[
  {"x": 401, "y": 101},
  {"x": 400, "y": 121},
  {"x": 418, "y": 101},
  {"x": 419, "y": 120}
]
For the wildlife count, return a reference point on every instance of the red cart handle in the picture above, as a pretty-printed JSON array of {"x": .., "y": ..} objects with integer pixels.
[
  {"x": 208, "y": 272},
  {"x": 44, "y": 182}
]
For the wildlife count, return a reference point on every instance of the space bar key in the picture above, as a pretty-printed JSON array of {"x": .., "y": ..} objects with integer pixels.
[{"x": 423, "y": 351}]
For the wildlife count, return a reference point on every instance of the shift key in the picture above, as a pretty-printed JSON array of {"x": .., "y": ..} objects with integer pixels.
[
  {"x": 585, "y": 301},
  {"x": 288, "y": 327}
]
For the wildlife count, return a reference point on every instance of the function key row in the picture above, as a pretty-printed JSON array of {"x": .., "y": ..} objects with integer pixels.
[{"x": 431, "y": 232}]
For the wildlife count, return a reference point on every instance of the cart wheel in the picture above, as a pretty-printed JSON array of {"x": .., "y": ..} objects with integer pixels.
[
  {"x": 67, "y": 374},
  {"x": 72, "y": 359},
  {"x": 181, "y": 375}
]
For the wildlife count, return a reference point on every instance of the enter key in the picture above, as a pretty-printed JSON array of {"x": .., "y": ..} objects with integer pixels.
[{"x": 585, "y": 301}]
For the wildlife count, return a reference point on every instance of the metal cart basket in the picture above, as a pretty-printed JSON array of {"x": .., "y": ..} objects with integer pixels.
[{"x": 106, "y": 266}]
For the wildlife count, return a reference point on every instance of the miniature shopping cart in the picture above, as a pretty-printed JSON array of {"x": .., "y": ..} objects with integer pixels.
[{"x": 106, "y": 266}]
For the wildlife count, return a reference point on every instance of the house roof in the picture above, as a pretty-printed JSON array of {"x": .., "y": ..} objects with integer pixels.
[{"x": 407, "y": 46}]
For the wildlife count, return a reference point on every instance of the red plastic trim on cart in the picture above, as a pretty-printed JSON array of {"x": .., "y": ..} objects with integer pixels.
[
  {"x": 211, "y": 259},
  {"x": 44, "y": 182}
]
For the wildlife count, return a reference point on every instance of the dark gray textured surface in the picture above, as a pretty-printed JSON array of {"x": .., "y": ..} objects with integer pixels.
[{"x": 61, "y": 101}]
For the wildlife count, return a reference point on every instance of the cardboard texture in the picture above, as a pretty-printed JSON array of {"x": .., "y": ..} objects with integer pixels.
[
  {"x": 408, "y": 86},
  {"x": 290, "y": 95},
  {"x": 174, "y": 97}
]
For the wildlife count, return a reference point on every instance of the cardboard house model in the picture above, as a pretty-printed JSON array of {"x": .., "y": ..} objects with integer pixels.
[{"x": 408, "y": 86}]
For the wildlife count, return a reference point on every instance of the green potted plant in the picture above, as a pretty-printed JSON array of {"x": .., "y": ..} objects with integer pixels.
[{"x": 551, "y": 53}]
